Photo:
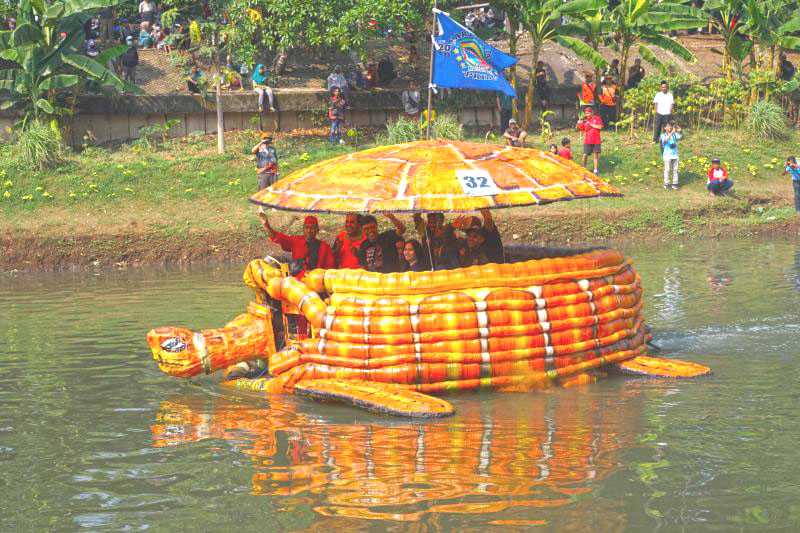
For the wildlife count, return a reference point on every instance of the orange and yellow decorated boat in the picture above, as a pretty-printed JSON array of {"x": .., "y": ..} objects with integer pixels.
[{"x": 388, "y": 341}]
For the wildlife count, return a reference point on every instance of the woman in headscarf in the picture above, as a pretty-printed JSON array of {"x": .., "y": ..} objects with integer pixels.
[{"x": 260, "y": 79}]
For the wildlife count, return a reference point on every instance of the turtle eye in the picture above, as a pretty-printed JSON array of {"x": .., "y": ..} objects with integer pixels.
[{"x": 173, "y": 345}]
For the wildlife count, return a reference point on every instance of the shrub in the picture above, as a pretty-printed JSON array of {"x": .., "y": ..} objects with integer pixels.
[
  {"x": 38, "y": 146},
  {"x": 447, "y": 126},
  {"x": 402, "y": 130},
  {"x": 767, "y": 120}
]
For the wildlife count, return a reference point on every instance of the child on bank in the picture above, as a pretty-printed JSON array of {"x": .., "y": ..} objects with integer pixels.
[
  {"x": 718, "y": 181},
  {"x": 793, "y": 169},
  {"x": 565, "y": 151}
]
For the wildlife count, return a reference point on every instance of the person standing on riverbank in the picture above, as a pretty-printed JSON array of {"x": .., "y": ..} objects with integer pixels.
[
  {"x": 669, "y": 151},
  {"x": 591, "y": 125},
  {"x": 793, "y": 169},
  {"x": 266, "y": 161},
  {"x": 663, "y": 102}
]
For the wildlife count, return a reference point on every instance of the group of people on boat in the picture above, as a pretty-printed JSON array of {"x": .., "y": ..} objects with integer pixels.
[{"x": 360, "y": 244}]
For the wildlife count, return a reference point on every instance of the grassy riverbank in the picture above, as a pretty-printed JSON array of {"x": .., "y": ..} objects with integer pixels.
[{"x": 183, "y": 202}]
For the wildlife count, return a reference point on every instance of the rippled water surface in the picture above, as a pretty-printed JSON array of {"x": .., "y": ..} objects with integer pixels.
[{"x": 93, "y": 436}]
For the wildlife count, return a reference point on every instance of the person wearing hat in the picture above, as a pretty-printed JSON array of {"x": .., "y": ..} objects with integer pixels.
[
  {"x": 718, "y": 181},
  {"x": 129, "y": 60},
  {"x": 307, "y": 251},
  {"x": 514, "y": 135},
  {"x": 266, "y": 161}
]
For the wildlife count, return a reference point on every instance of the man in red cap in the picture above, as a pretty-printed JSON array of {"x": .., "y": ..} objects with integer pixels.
[{"x": 308, "y": 252}]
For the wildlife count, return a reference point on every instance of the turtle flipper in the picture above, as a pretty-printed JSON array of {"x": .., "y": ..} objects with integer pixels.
[
  {"x": 659, "y": 367},
  {"x": 382, "y": 398}
]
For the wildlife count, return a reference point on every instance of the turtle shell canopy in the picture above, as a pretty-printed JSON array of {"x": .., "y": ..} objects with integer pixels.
[{"x": 439, "y": 175}]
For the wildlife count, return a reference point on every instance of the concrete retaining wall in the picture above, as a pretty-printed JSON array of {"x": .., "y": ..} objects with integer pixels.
[{"x": 116, "y": 119}]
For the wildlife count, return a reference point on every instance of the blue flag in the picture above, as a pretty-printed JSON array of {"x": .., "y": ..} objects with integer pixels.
[{"x": 462, "y": 61}]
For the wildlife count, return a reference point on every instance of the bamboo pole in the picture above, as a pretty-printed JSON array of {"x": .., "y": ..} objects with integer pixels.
[{"x": 430, "y": 73}]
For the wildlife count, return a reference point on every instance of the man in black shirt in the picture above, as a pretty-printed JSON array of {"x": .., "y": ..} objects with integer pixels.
[
  {"x": 483, "y": 243},
  {"x": 444, "y": 245},
  {"x": 378, "y": 252}
]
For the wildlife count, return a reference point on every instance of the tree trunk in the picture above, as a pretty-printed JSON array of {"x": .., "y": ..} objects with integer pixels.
[
  {"x": 531, "y": 85},
  {"x": 623, "y": 75},
  {"x": 512, "y": 50},
  {"x": 220, "y": 120}
]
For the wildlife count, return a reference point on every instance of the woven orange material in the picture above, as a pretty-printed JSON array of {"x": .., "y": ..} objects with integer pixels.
[
  {"x": 436, "y": 175},
  {"x": 665, "y": 368}
]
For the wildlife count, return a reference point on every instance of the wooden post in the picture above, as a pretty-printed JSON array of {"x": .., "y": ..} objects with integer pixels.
[{"x": 430, "y": 73}]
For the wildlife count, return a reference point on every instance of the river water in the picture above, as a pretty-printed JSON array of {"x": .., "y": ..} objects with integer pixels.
[{"x": 93, "y": 436}]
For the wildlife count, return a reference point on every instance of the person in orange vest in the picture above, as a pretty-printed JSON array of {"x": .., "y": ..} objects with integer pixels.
[
  {"x": 608, "y": 101},
  {"x": 588, "y": 89},
  {"x": 345, "y": 247}
]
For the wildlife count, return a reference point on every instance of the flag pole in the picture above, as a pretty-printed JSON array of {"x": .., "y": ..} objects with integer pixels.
[{"x": 430, "y": 73}]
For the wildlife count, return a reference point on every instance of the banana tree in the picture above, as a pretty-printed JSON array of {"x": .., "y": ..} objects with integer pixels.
[
  {"x": 771, "y": 24},
  {"x": 542, "y": 20},
  {"x": 647, "y": 23},
  {"x": 43, "y": 58},
  {"x": 725, "y": 16}
]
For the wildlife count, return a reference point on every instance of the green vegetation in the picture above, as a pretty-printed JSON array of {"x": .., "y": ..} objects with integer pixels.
[{"x": 182, "y": 186}]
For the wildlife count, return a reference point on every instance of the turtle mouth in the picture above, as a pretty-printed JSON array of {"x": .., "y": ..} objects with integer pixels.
[{"x": 173, "y": 345}]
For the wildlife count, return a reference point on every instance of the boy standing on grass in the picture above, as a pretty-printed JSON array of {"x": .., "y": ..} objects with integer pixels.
[
  {"x": 793, "y": 169},
  {"x": 591, "y": 126},
  {"x": 669, "y": 151},
  {"x": 266, "y": 161}
]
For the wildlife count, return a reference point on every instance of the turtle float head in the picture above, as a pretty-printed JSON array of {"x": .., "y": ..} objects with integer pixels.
[{"x": 178, "y": 351}]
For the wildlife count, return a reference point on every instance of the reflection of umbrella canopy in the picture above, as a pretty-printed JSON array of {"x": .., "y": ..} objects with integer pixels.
[{"x": 425, "y": 176}]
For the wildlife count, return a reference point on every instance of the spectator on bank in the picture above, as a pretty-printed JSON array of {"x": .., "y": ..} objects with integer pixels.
[
  {"x": 260, "y": 86},
  {"x": 336, "y": 110},
  {"x": 663, "y": 102},
  {"x": 514, "y": 135},
  {"x": 147, "y": 11},
  {"x": 355, "y": 79},
  {"x": 611, "y": 71},
  {"x": 718, "y": 181},
  {"x": 145, "y": 39},
  {"x": 565, "y": 152},
  {"x": 588, "y": 90},
  {"x": 793, "y": 169},
  {"x": 91, "y": 29},
  {"x": 786, "y": 67},
  {"x": 541, "y": 86},
  {"x": 386, "y": 71},
  {"x": 411, "y": 101},
  {"x": 159, "y": 36},
  {"x": 129, "y": 61},
  {"x": 337, "y": 79},
  {"x": 591, "y": 125},
  {"x": 193, "y": 80},
  {"x": 635, "y": 74},
  {"x": 266, "y": 161},
  {"x": 608, "y": 101},
  {"x": 669, "y": 151},
  {"x": 91, "y": 48},
  {"x": 371, "y": 76}
]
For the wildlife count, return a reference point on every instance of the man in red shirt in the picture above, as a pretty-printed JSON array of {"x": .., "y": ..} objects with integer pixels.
[
  {"x": 308, "y": 252},
  {"x": 591, "y": 126},
  {"x": 346, "y": 245}
]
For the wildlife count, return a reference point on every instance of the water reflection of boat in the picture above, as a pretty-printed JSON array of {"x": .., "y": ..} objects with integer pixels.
[{"x": 491, "y": 460}]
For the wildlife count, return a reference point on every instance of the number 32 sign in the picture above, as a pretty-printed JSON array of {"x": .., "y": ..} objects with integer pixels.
[{"x": 475, "y": 182}]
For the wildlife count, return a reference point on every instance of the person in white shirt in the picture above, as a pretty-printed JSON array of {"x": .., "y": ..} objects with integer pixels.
[
  {"x": 337, "y": 79},
  {"x": 147, "y": 11},
  {"x": 663, "y": 102}
]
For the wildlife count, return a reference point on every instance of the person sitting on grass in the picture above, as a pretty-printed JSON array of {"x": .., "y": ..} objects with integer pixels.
[
  {"x": 565, "y": 152},
  {"x": 514, "y": 135},
  {"x": 718, "y": 181},
  {"x": 260, "y": 80},
  {"x": 591, "y": 125},
  {"x": 266, "y": 161},
  {"x": 793, "y": 169}
]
